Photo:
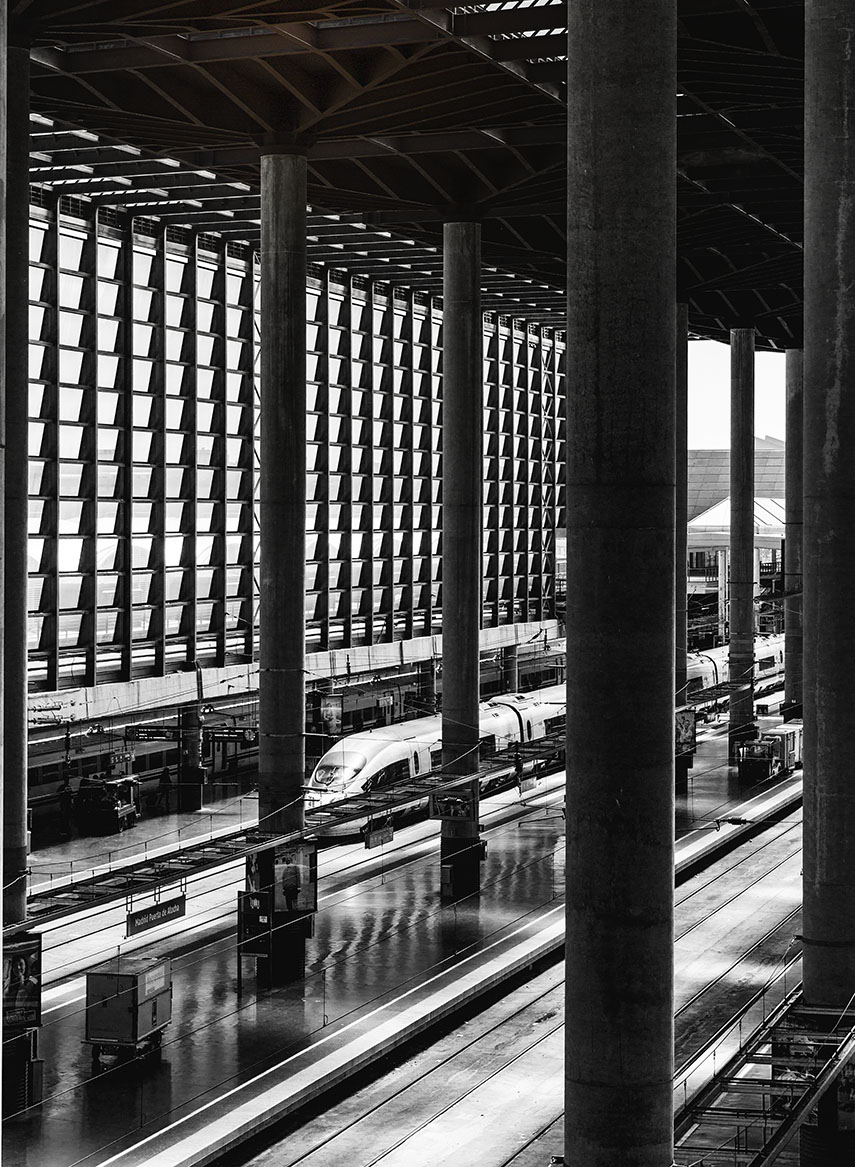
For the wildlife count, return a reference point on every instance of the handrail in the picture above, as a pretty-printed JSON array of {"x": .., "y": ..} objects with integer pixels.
[{"x": 732, "y": 1037}]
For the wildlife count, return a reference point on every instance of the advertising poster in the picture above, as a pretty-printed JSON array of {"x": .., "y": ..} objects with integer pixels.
[
  {"x": 22, "y": 982},
  {"x": 259, "y": 871},
  {"x": 331, "y": 715},
  {"x": 295, "y": 878},
  {"x": 685, "y": 741},
  {"x": 459, "y": 805}
]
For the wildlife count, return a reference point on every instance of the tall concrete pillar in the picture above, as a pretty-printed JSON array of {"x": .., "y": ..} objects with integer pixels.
[
  {"x": 282, "y": 696},
  {"x": 741, "y": 661},
  {"x": 620, "y": 494},
  {"x": 462, "y": 478},
  {"x": 14, "y": 913},
  {"x": 16, "y": 491},
  {"x": 192, "y": 777},
  {"x": 681, "y": 462},
  {"x": 829, "y": 505},
  {"x": 723, "y": 569},
  {"x": 794, "y": 489},
  {"x": 510, "y": 668}
]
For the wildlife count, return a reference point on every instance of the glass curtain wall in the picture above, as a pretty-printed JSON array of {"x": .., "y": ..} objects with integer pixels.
[{"x": 144, "y": 428}]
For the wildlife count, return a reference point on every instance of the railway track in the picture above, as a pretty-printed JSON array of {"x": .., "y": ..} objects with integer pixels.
[{"x": 489, "y": 1091}]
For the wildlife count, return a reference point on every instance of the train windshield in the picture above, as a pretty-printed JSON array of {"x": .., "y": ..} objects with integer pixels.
[{"x": 346, "y": 766}]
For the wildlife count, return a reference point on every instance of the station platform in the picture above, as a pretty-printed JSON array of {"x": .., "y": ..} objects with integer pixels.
[
  {"x": 64, "y": 863},
  {"x": 388, "y": 959},
  {"x": 712, "y": 790}
]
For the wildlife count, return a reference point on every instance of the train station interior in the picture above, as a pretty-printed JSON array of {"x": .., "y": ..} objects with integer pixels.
[{"x": 413, "y": 753}]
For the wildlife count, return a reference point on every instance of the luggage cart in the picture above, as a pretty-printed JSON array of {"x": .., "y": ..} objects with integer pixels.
[{"x": 128, "y": 1006}]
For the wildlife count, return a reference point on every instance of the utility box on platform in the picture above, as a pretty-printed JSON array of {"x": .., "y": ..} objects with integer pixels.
[{"x": 128, "y": 1002}]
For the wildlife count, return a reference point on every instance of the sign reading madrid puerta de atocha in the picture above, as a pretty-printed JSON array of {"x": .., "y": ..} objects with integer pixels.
[{"x": 155, "y": 914}]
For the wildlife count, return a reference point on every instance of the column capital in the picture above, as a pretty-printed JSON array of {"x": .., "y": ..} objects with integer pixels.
[
  {"x": 462, "y": 213},
  {"x": 289, "y": 144}
]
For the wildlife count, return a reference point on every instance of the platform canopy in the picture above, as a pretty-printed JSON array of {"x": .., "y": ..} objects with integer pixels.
[
  {"x": 414, "y": 112},
  {"x": 710, "y": 531}
]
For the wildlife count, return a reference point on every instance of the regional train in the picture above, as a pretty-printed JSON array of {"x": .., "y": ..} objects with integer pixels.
[{"x": 706, "y": 669}]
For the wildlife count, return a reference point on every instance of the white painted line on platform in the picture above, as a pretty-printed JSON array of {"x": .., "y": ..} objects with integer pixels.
[{"x": 220, "y": 1133}]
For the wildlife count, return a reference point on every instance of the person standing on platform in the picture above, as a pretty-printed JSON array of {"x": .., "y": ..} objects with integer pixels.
[
  {"x": 66, "y": 808},
  {"x": 164, "y": 790},
  {"x": 289, "y": 874}
]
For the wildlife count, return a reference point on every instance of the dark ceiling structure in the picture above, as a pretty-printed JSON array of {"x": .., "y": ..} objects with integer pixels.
[{"x": 412, "y": 113}]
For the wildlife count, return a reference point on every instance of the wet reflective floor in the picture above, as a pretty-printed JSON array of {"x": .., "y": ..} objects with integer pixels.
[
  {"x": 369, "y": 940},
  {"x": 371, "y": 937}
]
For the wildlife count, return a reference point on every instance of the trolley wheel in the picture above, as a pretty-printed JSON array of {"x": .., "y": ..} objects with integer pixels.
[{"x": 153, "y": 1046}]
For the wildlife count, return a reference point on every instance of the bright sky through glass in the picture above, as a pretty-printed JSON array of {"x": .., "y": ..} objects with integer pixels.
[{"x": 709, "y": 395}]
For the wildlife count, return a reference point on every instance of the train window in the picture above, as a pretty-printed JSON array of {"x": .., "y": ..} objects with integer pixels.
[
  {"x": 436, "y": 759},
  {"x": 346, "y": 767},
  {"x": 397, "y": 772},
  {"x": 415, "y": 761},
  {"x": 767, "y": 662},
  {"x": 528, "y": 730}
]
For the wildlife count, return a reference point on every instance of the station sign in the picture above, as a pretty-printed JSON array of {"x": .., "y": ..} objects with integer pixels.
[
  {"x": 231, "y": 733},
  {"x": 154, "y": 915},
  {"x": 153, "y": 733},
  {"x": 377, "y": 836}
]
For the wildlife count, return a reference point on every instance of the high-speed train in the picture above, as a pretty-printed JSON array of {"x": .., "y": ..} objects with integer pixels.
[{"x": 382, "y": 757}]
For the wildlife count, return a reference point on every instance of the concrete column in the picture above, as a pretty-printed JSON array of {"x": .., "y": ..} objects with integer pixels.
[
  {"x": 794, "y": 489},
  {"x": 462, "y": 478},
  {"x": 620, "y": 495},
  {"x": 192, "y": 776},
  {"x": 741, "y": 663},
  {"x": 681, "y": 462},
  {"x": 829, "y": 505},
  {"x": 16, "y": 491},
  {"x": 723, "y": 558},
  {"x": 510, "y": 668},
  {"x": 14, "y": 912},
  {"x": 282, "y": 697}
]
